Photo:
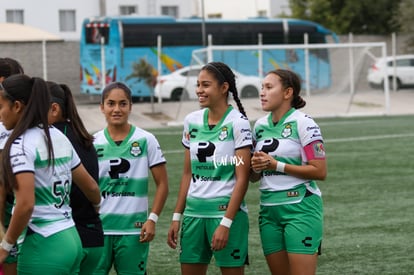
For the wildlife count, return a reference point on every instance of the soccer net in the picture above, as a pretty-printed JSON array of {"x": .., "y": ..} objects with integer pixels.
[{"x": 334, "y": 75}]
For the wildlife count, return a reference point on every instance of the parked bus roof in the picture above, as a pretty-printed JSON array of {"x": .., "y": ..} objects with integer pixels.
[{"x": 131, "y": 19}]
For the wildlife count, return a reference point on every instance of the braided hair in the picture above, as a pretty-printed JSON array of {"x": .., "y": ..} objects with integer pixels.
[{"x": 223, "y": 73}]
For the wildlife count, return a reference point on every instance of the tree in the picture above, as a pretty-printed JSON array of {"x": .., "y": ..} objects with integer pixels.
[
  {"x": 405, "y": 20},
  {"x": 143, "y": 70},
  {"x": 344, "y": 16}
]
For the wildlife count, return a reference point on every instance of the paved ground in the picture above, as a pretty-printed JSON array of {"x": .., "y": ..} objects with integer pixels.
[{"x": 159, "y": 115}]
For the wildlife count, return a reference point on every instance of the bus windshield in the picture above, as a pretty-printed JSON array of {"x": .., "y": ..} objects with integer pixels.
[{"x": 95, "y": 32}]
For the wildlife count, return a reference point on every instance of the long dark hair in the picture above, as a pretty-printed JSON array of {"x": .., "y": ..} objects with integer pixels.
[
  {"x": 32, "y": 92},
  {"x": 290, "y": 79},
  {"x": 62, "y": 95},
  {"x": 10, "y": 66},
  {"x": 223, "y": 73}
]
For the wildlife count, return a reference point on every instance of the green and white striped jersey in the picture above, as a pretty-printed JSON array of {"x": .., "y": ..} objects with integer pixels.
[
  {"x": 29, "y": 153},
  {"x": 123, "y": 179},
  {"x": 284, "y": 141},
  {"x": 213, "y": 160}
]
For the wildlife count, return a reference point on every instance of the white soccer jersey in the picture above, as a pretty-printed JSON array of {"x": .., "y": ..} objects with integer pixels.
[
  {"x": 29, "y": 153},
  {"x": 123, "y": 179},
  {"x": 213, "y": 159},
  {"x": 285, "y": 142}
]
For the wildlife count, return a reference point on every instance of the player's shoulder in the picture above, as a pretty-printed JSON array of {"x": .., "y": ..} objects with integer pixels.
[
  {"x": 195, "y": 115},
  {"x": 301, "y": 118}
]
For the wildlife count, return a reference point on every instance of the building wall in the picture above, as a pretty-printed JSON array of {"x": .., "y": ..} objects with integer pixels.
[
  {"x": 278, "y": 7},
  {"x": 62, "y": 60},
  {"x": 44, "y": 14}
]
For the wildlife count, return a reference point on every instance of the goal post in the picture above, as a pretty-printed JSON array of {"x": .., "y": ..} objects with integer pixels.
[{"x": 337, "y": 71}]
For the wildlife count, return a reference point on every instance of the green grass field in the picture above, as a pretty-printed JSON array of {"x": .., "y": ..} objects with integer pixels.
[{"x": 368, "y": 199}]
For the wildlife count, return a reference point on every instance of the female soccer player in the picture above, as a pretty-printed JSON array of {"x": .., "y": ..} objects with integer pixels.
[
  {"x": 8, "y": 67},
  {"x": 126, "y": 153},
  {"x": 64, "y": 116},
  {"x": 289, "y": 156},
  {"x": 39, "y": 170},
  {"x": 217, "y": 141}
]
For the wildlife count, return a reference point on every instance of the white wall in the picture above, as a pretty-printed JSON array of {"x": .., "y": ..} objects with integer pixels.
[
  {"x": 44, "y": 14},
  {"x": 235, "y": 9},
  {"x": 239, "y": 9},
  {"x": 278, "y": 7}
]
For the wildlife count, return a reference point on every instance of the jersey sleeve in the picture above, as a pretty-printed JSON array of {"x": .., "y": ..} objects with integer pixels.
[
  {"x": 155, "y": 154},
  {"x": 242, "y": 133},
  {"x": 75, "y": 159},
  {"x": 22, "y": 158},
  {"x": 186, "y": 135},
  {"x": 309, "y": 131}
]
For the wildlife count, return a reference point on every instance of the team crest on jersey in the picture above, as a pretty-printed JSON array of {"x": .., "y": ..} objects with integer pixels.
[
  {"x": 135, "y": 149},
  {"x": 287, "y": 132},
  {"x": 223, "y": 134}
]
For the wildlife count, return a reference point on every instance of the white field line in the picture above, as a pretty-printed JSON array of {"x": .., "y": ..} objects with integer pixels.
[
  {"x": 336, "y": 140},
  {"x": 352, "y": 139}
]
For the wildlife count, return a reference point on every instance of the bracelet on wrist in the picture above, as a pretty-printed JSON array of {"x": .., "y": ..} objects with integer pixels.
[
  {"x": 6, "y": 246},
  {"x": 176, "y": 217},
  {"x": 226, "y": 222},
  {"x": 153, "y": 217},
  {"x": 280, "y": 167}
]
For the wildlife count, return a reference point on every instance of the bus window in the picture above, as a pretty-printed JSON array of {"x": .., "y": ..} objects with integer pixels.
[
  {"x": 140, "y": 35},
  {"x": 133, "y": 46},
  {"x": 95, "y": 31}
]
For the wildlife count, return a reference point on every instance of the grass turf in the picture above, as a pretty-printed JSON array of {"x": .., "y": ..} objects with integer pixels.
[{"x": 368, "y": 199}]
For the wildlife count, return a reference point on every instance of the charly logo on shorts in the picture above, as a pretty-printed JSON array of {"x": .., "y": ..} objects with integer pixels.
[{"x": 135, "y": 149}]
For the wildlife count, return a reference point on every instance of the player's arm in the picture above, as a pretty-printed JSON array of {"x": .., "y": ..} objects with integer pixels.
[
  {"x": 3, "y": 194},
  {"x": 220, "y": 236},
  {"x": 180, "y": 204},
  {"x": 315, "y": 168},
  {"x": 23, "y": 209},
  {"x": 87, "y": 185},
  {"x": 3, "y": 198},
  {"x": 159, "y": 173}
]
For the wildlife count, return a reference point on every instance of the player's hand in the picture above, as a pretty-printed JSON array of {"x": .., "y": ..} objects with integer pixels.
[
  {"x": 260, "y": 161},
  {"x": 220, "y": 238},
  {"x": 172, "y": 238},
  {"x": 147, "y": 231}
]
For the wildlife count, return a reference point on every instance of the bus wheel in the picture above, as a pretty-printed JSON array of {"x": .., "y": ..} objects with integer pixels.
[{"x": 249, "y": 92}]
